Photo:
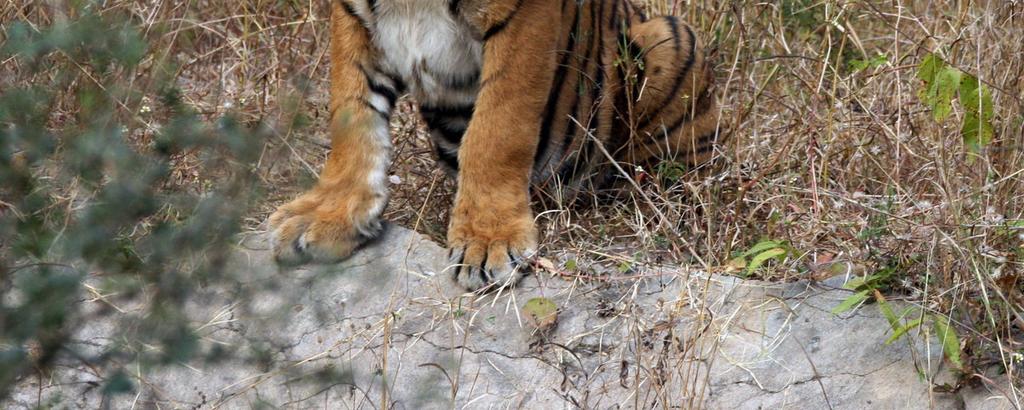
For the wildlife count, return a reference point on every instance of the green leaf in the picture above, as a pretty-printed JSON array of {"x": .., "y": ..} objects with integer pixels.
[
  {"x": 902, "y": 330},
  {"x": 926, "y": 72},
  {"x": 541, "y": 313},
  {"x": 946, "y": 84},
  {"x": 975, "y": 97},
  {"x": 929, "y": 68},
  {"x": 855, "y": 283},
  {"x": 860, "y": 281},
  {"x": 875, "y": 62},
  {"x": 890, "y": 316},
  {"x": 976, "y": 100},
  {"x": 763, "y": 257},
  {"x": 570, "y": 264},
  {"x": 941, "y": 83},
  {"x": 950, "y": 342},
  {"x": 761, "y": 247},
  {"x": 625, "y": 267},
  {"x": 851, "y": 302},
  {"x": 976, "y": 133}
]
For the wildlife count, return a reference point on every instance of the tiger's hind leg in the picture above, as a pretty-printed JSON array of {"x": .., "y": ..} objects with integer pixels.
[
  {"x": 675, "y": 111},
  {"x": 340, "y": 213}
]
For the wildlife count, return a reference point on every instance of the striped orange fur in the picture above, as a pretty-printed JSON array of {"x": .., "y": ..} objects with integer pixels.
[{"x": 518, "y": 95}]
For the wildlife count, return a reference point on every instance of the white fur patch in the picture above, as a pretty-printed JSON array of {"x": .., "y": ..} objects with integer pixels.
[
  {"x": 377, "y": 178},
  {"x": 420, "y": 41},
  {"x": 380, "y": 103},
  {"x": 423, "y": 44}
]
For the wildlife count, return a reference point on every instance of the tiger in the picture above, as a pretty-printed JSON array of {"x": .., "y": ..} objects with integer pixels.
[{"x": 519, "y": 96}]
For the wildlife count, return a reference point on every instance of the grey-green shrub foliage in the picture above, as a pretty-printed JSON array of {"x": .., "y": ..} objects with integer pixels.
[{"x": 81, "y": 204}]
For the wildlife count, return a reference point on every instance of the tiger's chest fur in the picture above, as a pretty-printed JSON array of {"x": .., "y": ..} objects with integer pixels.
[
  {"x": 433, "y": 52},
  {"x": 437, "y": 56},
  {"x": 425, "y": 45}
]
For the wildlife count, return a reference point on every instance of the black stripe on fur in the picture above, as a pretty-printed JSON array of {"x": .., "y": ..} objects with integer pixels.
[
  {"x": 556, "y": 89},
  {"x": 501, "y": 25},
  {"x": 677, "y": 83}
]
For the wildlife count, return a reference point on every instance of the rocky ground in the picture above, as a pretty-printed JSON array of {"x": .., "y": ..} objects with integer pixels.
[{"x": 390, "y": 327}]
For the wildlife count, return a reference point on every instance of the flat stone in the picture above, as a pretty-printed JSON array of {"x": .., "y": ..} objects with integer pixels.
[{"x": 390, "y": 328}]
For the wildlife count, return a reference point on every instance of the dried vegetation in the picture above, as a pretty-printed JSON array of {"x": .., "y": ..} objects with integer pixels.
[{"x": 831, "y": 151}]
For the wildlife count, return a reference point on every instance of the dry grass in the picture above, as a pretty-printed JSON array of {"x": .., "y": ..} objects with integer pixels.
[{"x": 848, "y": 167}]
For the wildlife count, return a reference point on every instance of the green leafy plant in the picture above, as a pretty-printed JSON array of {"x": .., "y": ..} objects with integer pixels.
[
  {"x": 759, "y": 254},
  {"x": 866, "y": 288},
  {"x": 874, "y": 62},
  {"x": 942, "y": 84},
  {"x": 671, "y": 172},
  {"x": 949, "y": 339},
  {"x": 624, "y": 267},
  {"x": 128, "y": 236},
  {"x": 571, "y": 265}
]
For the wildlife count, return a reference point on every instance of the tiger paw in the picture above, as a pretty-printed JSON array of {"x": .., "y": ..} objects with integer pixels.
[
  {"x": 493, "y": 260},
  {"x": 324, "y": 226}
]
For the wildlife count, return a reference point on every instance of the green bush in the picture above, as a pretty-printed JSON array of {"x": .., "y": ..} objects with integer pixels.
[{"x": 88, "y": 211}]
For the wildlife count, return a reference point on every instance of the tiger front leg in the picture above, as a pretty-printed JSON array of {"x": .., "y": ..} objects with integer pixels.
[
  {"x": 492, "y": 227},
  {"x": 340, "y": 213}
]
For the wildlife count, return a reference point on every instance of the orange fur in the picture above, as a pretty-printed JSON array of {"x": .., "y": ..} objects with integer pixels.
[
  {"x": 492, "y": 217},
  {"x": 553, "y": 82},
  {"x": 330, "y": 213}
]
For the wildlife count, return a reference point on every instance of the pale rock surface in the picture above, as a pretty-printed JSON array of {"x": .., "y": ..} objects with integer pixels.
[{"x": 390, "y": 326}]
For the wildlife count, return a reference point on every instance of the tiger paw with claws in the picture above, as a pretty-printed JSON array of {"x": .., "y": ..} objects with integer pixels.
[
  {"x": 323, "y": 227},
  {"x": 490, "y": 252}
]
